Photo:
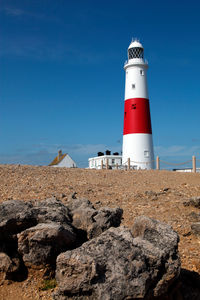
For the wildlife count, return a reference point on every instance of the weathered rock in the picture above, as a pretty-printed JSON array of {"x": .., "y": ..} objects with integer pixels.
[
  {"x": 9, "y": 266},
  {"x": 103, "y": 220},
  {"x": 5, "y": 262},
  {"x": 196, "y": 228},
  {"x": 195, "y": 217},
  {"x": 15, "y": 216},
  {"x": 92, "y": 221},
  {"x": 41, "y": 244},
  {"x": 51, "y": 210},
  {"x": 116, "y": 265},
  {"x": 157, "y": 233},
  {"x": 162, "y": 237},
  {"x": 107, "y": 217},
  {"x": 150, "y": 193},
  {"x": 83, "y": 218},
  {"x": 194, "y": 201},
  {"x": 74, "y": 203}
]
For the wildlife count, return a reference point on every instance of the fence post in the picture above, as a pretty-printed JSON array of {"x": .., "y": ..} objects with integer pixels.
[
  {"x": 129, "y": 163},
  {"x": 117, "y": 166},
  {"x": 106, "y": 163},
  {"x": 194, "y": 164},
  {"x": 102, "y": 164},
  {"x": 157, "y": 163}
]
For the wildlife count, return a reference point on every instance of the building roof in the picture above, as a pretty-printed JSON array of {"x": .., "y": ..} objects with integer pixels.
[{"x": 57, "y": 159}]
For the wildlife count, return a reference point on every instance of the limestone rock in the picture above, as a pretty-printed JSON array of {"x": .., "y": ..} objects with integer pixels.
[
  {"x": 157, "y": 233},
  {"x": 9, "y": 266},
  {"x": 83, "y": 218},
  {"x": 15, "y": 216},
  {"x": 40, "y": 245},
  {"x": 196, "y": 228},
  {"x": 5, "y": 262},
  {"x": 74, "y": 203},
  {"x": 117, "y": 265},
  {"x": 194, "y": 201},
  {"x": 103, "y": 220},
  {"x": 194, "y": 217},
  {"x": 162, "y": 237},
  {"x": 86, "y": 218},
  {"x": 51, "y": 210}
]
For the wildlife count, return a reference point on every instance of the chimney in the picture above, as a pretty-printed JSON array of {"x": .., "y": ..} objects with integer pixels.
[
  {"x": 59, "y": 154},
  {"x": 108, "y": 152}
]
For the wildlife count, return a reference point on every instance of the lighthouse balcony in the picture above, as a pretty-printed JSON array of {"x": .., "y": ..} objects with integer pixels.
[{"x": 135, "y": 62}]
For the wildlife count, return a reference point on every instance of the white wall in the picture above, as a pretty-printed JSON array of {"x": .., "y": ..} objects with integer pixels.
[
  {"x": 134, "y": 76},
  {"x": 95, "y": 162},
  {"x": 66, "y": 162},
  {"x": 135, "y": 146}
]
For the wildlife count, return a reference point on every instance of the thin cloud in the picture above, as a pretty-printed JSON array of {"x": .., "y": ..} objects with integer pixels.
[
  {"x": 79, "y": 149},
  {"x": 43, "y": 154},
  {"x": 18, "y": 12},
  {"x": 40, "y": 48},
  {"x": 10, "y": 11},
  {"x": 177, "y": 150},
  {"x": 37, "y": 158}
]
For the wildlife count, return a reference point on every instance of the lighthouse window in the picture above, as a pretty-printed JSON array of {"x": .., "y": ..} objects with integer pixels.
[
  {"x": 146, "y": 153},
  {"x": 135, "y": 52},
  {"x": 133, "y": 106},
  {"x": 133, "y": 86},
  {"x": 142, "y": 72}
]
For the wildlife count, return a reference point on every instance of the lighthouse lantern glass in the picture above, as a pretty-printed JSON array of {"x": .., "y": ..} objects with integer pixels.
[{"x": 135, "y": 52}]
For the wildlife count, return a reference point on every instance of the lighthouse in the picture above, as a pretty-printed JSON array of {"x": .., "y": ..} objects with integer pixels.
[{"x": 137, "y": 133}]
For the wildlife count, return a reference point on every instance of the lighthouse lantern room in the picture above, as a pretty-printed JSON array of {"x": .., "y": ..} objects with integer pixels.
[{"x": 137, "y": 133}]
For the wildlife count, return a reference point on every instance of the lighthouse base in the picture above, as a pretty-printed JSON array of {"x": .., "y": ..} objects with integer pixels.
[{"x": 139, "y": 148}]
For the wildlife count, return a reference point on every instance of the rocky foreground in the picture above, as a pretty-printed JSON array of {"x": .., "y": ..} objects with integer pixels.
[{"x": 54, "y": 232}]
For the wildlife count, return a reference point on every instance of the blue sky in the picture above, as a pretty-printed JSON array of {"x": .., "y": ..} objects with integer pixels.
[{"x": 62, "y": 77}]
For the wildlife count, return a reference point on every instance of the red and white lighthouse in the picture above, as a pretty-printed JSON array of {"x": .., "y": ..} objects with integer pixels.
[{"x": 137, "y": 134}]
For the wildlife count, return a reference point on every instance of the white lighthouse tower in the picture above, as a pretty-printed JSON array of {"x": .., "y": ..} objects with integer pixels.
[{"x": 137, "y": 134}]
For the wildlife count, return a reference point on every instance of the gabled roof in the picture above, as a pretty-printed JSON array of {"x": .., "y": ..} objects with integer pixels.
[{"x": 57, "y": 160}]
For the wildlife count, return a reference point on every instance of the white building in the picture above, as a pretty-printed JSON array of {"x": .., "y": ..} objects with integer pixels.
[
  {"x": 187, "y": 170},
  {"x": 113, "y": 161},
  {"x": 63, "y": 160}
]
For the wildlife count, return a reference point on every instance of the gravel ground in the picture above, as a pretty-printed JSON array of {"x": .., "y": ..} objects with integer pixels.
[{"x": 157, "y": 194}]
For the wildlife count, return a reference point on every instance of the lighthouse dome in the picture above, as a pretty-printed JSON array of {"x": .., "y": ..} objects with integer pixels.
[
  {"x": 135, "y": 50},
  {"x": 135, "y": 44}
]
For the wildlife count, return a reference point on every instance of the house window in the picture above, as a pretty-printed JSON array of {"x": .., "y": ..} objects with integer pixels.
[
  {"x": 113, "y": 161},
  {"x": 142, "y": 72},
  {"x": 146, "y": 153},
  {"x": 133, "y": 86}
]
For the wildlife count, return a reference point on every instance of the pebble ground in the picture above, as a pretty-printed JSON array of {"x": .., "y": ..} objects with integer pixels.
[{"x": 157, "y": 194}]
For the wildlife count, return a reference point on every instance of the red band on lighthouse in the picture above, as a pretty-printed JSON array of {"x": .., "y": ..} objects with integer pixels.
[{"x": 137, "y": 116}]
